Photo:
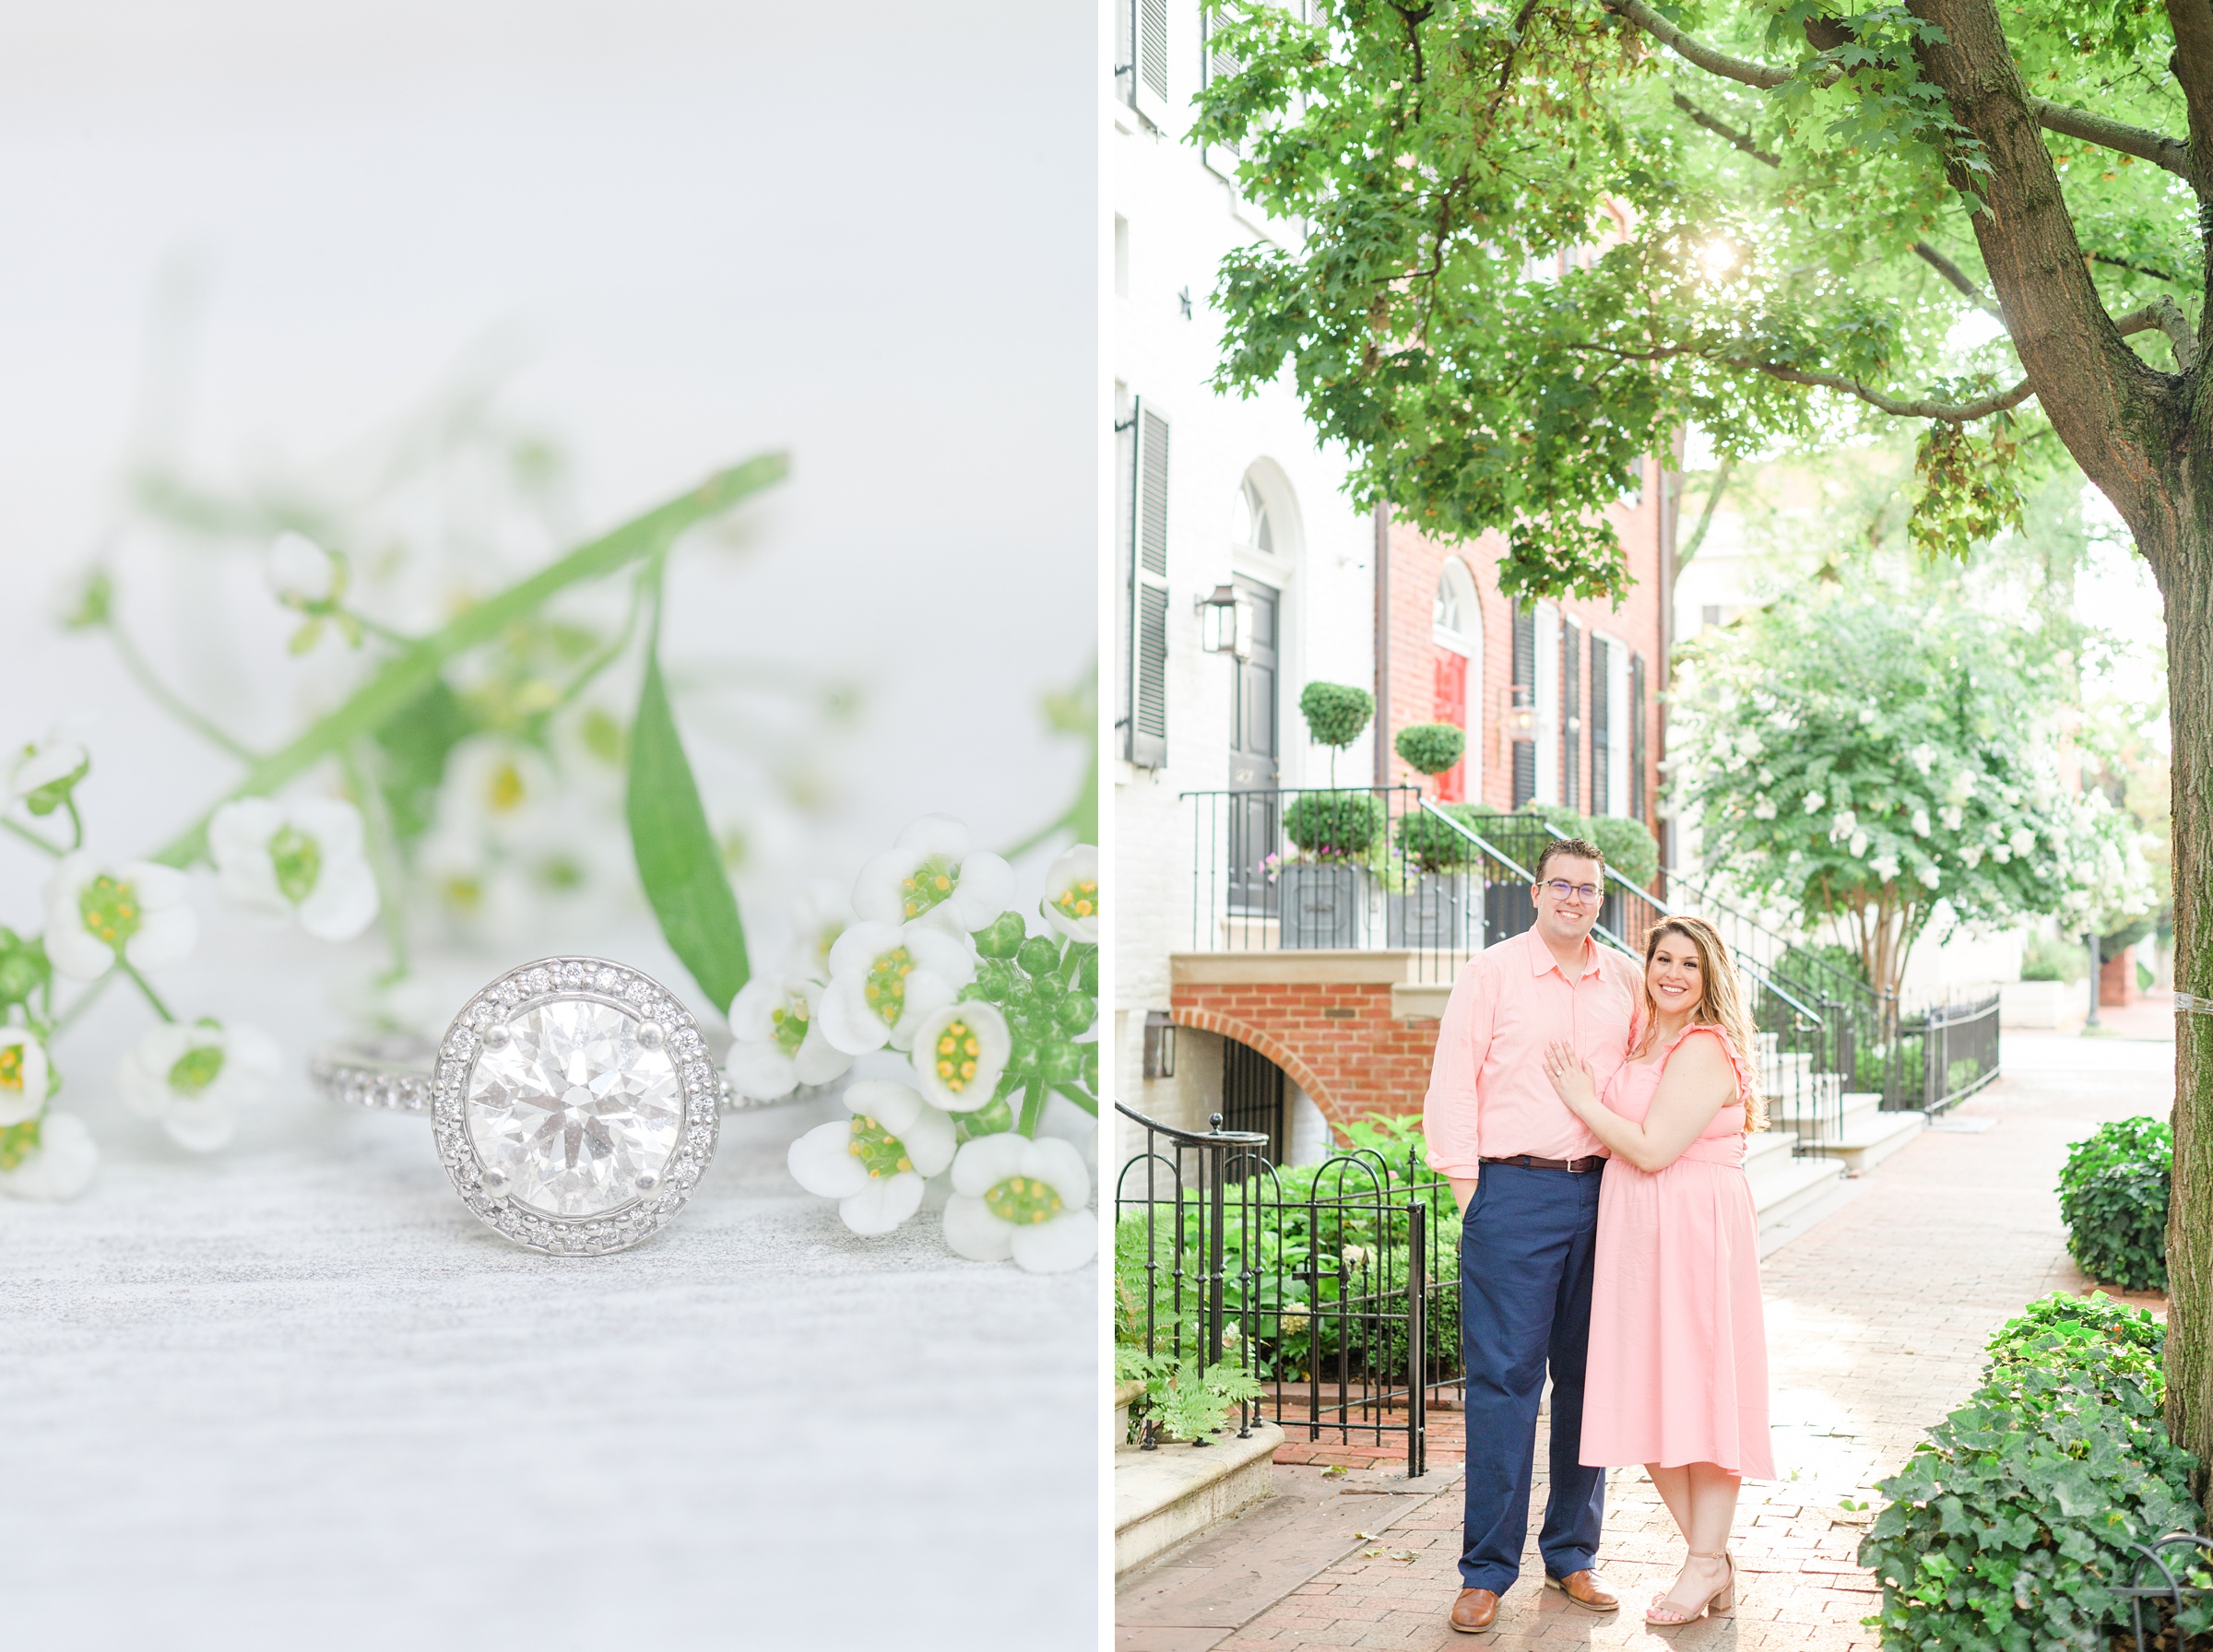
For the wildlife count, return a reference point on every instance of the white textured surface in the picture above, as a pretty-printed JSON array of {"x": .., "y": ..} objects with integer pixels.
[{"x": 298, "y": 1395}]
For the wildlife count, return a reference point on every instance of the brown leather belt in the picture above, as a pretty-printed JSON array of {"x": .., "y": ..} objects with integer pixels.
[{"x": 1574, "y": 1167}]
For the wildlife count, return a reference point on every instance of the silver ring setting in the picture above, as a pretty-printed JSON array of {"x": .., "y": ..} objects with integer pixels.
[{"x": 574, "y": 1101}]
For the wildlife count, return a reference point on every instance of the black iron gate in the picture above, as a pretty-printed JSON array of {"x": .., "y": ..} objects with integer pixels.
[
  {"x": 1336, "y": 1286},
  {"x": 1252, "y": 1099}
]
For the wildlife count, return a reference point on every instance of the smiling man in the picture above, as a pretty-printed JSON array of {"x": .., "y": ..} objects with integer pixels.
[{"x": 1524, "y": 1171}]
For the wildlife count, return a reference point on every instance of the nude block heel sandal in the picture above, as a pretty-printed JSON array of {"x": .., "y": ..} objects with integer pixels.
[{"x": 1723, "y": 1599}]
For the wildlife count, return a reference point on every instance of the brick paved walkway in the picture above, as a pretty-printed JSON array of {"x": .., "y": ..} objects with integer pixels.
[{"x": 1875, "y": 1323}]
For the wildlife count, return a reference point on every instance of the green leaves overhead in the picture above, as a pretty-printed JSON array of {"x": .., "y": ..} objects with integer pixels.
[
  {"x": 678, "y": 861},
  {"x": 1533, "y": 243}
]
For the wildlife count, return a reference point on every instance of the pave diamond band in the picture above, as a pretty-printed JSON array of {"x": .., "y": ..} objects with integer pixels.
[{"x": 574, "y": 1101}]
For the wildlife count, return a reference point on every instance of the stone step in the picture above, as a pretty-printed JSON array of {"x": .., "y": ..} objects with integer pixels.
[
  {"x": 1177, "y": 1490},
  {"x": 1854, "y": 1114},
  {"x": 1785, "y": 1195},
  {"x": 1869, "y": 1140}
]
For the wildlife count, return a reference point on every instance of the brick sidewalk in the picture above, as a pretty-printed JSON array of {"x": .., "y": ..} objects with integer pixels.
[{"x": 1876, "y": 1325}]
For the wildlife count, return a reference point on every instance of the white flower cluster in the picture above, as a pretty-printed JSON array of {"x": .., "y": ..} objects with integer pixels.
[
  {"x": 911, "y": 976},
  {"x": 279, "y": 859}
]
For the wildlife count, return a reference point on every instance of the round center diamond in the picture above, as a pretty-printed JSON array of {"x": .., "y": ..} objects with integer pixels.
[{"x": 574, "y": 1109}]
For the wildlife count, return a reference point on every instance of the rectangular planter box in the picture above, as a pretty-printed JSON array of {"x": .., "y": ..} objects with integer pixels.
[
  {"x": 2046, "y": 1004},
  {"x": 1321, "y": 905},
  {"x": 1434, "y": 912}
]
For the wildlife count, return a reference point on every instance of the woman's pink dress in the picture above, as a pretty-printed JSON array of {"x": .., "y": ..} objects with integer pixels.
[{"x": 1678, "y": 1365}]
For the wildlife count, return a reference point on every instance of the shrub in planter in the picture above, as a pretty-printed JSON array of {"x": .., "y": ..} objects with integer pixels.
[
  {"x": 2043, "y": 959},
  {"x": 2007, "y": 1528},
  {"x": 1628, "y": 845},
  {"x": 1430, "y": 748},
  {"x": 1429, "y": 844},
  {"x": 2113, "y": 1195},
  {"x": 1334, "y": 825}
]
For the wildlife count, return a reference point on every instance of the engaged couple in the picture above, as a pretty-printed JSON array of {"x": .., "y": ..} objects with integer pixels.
[{"x": 1592, "y": 1120}]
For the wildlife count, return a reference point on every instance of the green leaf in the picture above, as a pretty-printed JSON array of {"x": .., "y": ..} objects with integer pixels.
[
  {"x": 678, "y": 860},
  {"x": 409, "y": 673},
  {"x": 415, "y": 742}
]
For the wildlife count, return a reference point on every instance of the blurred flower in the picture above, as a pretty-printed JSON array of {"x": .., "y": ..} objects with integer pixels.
[
  {"x": 303, "y": 575},
  {"x": 960, "y": 1052},
  {"x": 52, "y": 1159},
  {"x": 821, "y": 914},
  {"x": 97, "y": 910},
  {"x": 875, "y": 1164},
  {"x": 885, "y": 978},
  {"x": 1071, "y": 894},
  {"x": 43, "y": 774},
  {"x": 194, "y": 1080},
  {"x": 1013, "y": 1197},
  {"x": 934, "y": 875},
  {"x": 301, "y": 856},
  {"x": 26, "y": 1079},
  {"x": 778, "y": 1042}
]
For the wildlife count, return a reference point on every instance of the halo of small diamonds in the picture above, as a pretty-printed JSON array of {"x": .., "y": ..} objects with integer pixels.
[{"x": 589, "y": 981}]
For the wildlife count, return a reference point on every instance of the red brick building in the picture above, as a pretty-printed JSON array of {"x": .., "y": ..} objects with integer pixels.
[{"x": 1560, "y": 701}]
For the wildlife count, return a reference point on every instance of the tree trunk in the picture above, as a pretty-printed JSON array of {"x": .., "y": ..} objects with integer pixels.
[{"x": 2187, "y": 583}]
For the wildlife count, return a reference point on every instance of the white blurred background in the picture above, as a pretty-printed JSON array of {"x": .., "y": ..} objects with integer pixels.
[{"x": 270, "y": 251}]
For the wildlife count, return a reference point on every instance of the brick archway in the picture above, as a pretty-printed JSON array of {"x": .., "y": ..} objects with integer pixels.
[{"x": 1252, "y": 1038}]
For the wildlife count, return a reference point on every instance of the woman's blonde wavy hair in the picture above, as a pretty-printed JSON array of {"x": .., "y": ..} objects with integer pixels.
[{"x": 1721, "y": 1003}]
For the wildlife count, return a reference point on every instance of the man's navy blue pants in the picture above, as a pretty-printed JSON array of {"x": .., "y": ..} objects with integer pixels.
[{"x": 1525, "y": 1250}]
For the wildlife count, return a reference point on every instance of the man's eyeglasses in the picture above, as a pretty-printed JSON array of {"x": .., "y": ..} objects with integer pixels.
[{"x": 1563, "y": 890}]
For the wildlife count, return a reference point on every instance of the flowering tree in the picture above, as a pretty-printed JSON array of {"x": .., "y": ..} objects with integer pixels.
[{"x": 1858, "y": 758}]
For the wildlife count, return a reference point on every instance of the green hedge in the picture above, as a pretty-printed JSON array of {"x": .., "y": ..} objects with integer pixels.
[
  {"x": 1429, "y": 843},
  {"x": 2006, "y": 1528},
  {"x": 2113, "y": 1195},
  {"x": 1628, "y": 845}
]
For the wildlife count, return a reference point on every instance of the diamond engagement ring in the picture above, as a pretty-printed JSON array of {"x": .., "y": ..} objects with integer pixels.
[{"x": 574, "y": 1103}]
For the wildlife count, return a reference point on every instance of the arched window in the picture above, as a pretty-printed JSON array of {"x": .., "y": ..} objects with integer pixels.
[
  {"x": 1456, "y": 629},
  {"x": 1250, "y": 523}
]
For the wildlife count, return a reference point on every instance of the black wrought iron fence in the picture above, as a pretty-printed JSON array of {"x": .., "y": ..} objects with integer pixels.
[
  {"x": 1958, "y": 1050},
  {"x": 1336, "y": 1286},
  {"x": 1332, "y": 867}
]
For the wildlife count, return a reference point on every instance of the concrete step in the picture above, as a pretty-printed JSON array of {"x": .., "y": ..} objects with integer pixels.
[
  {"x": 1175, "y": 1490},
  {"x": 1784, "y": 1193},
  {"x": 1837, "y": 1117},
  {"x": 1869, "y": 1139}
]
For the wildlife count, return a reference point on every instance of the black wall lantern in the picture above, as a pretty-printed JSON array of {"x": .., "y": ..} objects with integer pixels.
[{"x": 1160, "y": 1045}]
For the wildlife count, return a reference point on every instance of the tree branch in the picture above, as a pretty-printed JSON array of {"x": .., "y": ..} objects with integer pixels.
[
  {"x": 2167, "y": 316},
  {"x": 1949, "y": 412},
  {"x": 2156, "y": 272},
  {"x": 1922, "y": 249},
  {"x": 2170, "y": 154},
  {"x": 1713, "y": 498}
]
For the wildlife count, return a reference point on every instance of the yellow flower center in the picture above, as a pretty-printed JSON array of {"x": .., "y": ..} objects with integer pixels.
[
  {"x": 1024, "y": 1201},
  {"x": 958, "y": 1049},
  {"x": 110, "y": 910}
]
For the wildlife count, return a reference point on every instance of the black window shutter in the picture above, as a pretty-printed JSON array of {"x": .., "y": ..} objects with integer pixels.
[
  {"x": 1637, "y": 735},
  {"x": 1149, "y": 29},
  {"x": 1525, "y": 696},
  {"x": 1148, "y": 710},
  {"x": 1602, "y": 732},
  {"x": 1571, "y": 714}
]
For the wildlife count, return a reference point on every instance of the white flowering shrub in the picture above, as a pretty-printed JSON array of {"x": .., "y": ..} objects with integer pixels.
[{"x": 1848, "y": 756}]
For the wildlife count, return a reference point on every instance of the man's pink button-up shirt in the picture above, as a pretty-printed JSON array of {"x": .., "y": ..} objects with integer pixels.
[{"x": 1488, "y": 1095}]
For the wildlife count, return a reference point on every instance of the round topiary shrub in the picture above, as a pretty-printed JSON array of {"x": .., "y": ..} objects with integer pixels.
[
  {"x": 1429, "y": 843},
  {"x": 1627, "y": 844},
  {"x": 1335, "y": 712},
  {"x": 1430, "y": 748},
  {"x": 2113, "y": 1195},
  {"x": 1334, "y": 825}
]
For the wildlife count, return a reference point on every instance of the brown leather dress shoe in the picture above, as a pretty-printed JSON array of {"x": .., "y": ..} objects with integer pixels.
[
  {"x": 1585, "y": 1589},
  {"x": 1475, "y": 1610}
]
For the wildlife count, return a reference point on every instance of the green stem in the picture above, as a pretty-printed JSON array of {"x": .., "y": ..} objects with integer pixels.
[
  {"x": 32, "y": 838},
  {"x": 85, "y": 1000},
  {"x": 76, "y": 824},
  {"x": 1081, "y": 1096},
  {"x": 377, "y": 628},
  {"x": 152, "y": 998},
  {"x": 591, "y": 668},
  {"x": 407, "y": 674},
  {"x": 384, "y": 861},
  {"x": 159, "y": 692},
  {"x": 1033, "y": 1106}
]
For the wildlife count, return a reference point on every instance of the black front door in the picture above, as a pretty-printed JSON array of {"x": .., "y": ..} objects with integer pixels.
[{"x": 1255, "y": 815}]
